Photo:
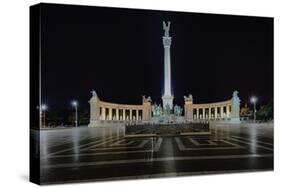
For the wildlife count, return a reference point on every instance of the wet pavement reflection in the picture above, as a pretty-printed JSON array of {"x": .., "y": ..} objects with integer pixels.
[{"x": 92, "y": 154}]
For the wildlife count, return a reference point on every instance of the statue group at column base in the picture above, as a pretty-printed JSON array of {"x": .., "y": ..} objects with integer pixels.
[
  {"x": 167, "y": 101},
  {"x": 167, "y": 119}
]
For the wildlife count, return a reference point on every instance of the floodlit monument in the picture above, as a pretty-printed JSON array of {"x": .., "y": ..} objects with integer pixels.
[
  {"x": 103, "y": 113},
  {"x": 167, "y": 98}
]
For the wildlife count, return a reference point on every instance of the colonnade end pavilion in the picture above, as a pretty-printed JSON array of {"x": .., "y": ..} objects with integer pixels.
[{"x": 102, "y": 112}]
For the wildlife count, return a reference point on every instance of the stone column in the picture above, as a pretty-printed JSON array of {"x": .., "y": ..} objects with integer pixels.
[
  {"x": 227, "y": 111},
  {"x": 124, "y": 114},
  {"x": 167, "y": 98},
  {"x": 203, "y": 116},
  {"x": 117, "y": 114},
  {"x": 137, "y": 114},
  {"x": 110, "y": 113},
  {"x": 197, "y": 112},
  {"x": 131, "y": 117},
  {"x": 210, "y": 114},
  {"x": 222, "y": 112},
  {"x": 216, "y": 112},
  {"x": 103, "y": 113}
]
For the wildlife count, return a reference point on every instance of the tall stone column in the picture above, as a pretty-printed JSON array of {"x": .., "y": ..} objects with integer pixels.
[
  {"x": 94, "y": 110},
  {"x": 167, "y": 98}
]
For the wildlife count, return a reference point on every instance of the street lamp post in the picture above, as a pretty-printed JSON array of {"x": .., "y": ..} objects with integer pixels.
[
  {"x": 75, "y": 105},
  {"x": 44, "y": 108},
  {"x": 254, "y": 101}
]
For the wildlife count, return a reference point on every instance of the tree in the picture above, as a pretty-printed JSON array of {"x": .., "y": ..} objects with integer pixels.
[{"x": 265, "y": 112}]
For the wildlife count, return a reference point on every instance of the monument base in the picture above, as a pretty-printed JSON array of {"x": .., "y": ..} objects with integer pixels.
[
  {"x": 235, "y": 120},
  {"x": 167, "y": 101},
  {"x": 167, "y": 129},
  {"x": 167, "y": 119},
  {"x": 95, "y": 123}
]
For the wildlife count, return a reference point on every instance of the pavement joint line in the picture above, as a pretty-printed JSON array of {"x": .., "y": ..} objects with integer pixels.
[
  {"x": 241, "y": 138},
  {"x": 250, "y": 143},
  {"x": 165, "y": 159},
  {"x": 121, "y": 143},
  {"x": 155, "y": 149},
  {"x": 182, "y": 147},
  {"x": 158, "y": 145},
  {"x": 102, "y": 143},
  {"x": 101, "y": 153},
  {"x": 67, "y": 142},
  {"x": 141, "y": 145},
  {"x": 196, "y": 143},
  {"x": 231, "y": 143},
  {"x": 83, "y": 145}
]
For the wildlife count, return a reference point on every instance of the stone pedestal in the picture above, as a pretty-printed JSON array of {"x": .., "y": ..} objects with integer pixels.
[
  {"x": 235, "y": 108},
  {"x": 167, "y": 102},
  {"x": 188, "y": 109},
  {"x": 146, "y": 102},
  {"x": 94, "y": 110}
]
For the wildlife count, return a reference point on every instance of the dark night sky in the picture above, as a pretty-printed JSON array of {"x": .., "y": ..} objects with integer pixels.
[{"x": 119, "y": 53}]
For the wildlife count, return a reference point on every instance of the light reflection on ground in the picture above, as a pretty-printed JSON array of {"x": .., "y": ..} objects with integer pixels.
[{"x": 74, "y": 154}]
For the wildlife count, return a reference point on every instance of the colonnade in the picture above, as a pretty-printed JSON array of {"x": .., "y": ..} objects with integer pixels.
[
  {"x": 120, "y": 114},
  {"x": 206, "y": 111},
  {"x": 217, "y": 112}
]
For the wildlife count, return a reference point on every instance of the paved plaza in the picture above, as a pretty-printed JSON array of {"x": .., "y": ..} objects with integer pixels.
[{"x": 93, "y": 154}]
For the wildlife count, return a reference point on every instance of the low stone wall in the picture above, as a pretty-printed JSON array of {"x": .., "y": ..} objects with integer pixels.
[{"x": 166, "y": 129}]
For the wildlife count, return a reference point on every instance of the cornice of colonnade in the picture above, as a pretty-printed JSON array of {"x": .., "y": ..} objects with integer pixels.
[
  {"x": 118, "y": 105},
  {"x": 214, "y": 104}
]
